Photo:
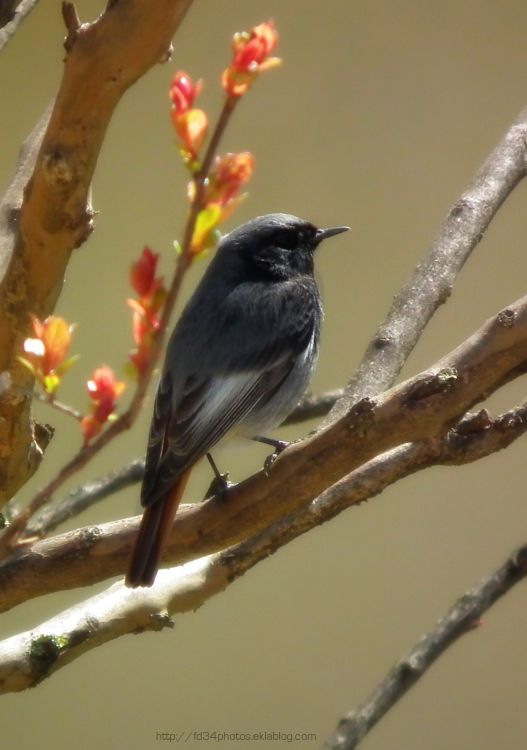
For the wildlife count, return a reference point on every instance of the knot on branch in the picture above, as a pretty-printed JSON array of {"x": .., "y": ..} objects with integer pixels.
[
  {"x": 511, "y": 420},
  {"x": 167, "y": 54},
  {"x": 431, "y": 385},
  {"x": 83, "y": 228},
  {"x": 44, "y": 650},
  {"x": 89, "y": 536},
  {"x": 506, "y": 318},
  {"x": 460, "y": 208},
  {"x": 58, "y": 168},
  {"x": 161, "y": 620},
  {"x": 409, "y": 669},
  {"x": 467, "y": 435},
  {"x": 473, "y": 423},
  {"x": 12, "y": 216},
  {"x": 381, "y": 342},
  {"x": 42, "y": 435},
  {"x": 361, "y": 413}
]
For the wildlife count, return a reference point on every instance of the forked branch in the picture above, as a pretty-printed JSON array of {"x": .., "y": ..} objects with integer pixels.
[{"x": 421, "y": 409}]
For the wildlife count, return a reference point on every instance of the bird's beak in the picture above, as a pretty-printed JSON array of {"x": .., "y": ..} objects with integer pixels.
[{"x": 323, "y": 234}]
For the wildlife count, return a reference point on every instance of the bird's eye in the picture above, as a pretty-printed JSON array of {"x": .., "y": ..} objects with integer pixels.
[{"x": 287, "y": 240}]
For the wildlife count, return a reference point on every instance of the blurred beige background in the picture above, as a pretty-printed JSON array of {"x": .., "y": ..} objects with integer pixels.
[{"x": 379, "y": 117}]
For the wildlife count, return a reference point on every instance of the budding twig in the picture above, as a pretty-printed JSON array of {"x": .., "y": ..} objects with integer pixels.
[
  {"x": 59, "y": 406},
  {"x": 16, "y": 528}
]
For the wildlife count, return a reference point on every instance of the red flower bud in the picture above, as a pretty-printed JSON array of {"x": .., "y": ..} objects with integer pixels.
[
  {"x": 191, "y": 127},
  {"x": 104, "y": 390},
  {"x": 147, "y": 308},
  {"x": 143, "y": 273},
  {"x": 250, "y": 57},
  {"x": 251, "y": 50},
  {"x": 183, "y": 92},
  {"x": 230, "y": 173}
]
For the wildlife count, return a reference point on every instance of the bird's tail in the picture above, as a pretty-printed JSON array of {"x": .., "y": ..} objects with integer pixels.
[{"x": 153, "y": 531}]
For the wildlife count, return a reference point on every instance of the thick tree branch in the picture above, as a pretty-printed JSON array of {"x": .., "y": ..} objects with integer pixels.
[
  {"x": 27, "y": 658},
  {"x": 431, "y": 283},
  {"x": 104, "y": 58},
  {"x": 420, "y": 409},
  {"x": 460, "y": 619},
  {"x": 16, "y": 399}
]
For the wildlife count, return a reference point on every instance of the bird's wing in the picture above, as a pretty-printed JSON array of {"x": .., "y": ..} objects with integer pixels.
[{"x": 246, "y": 359}]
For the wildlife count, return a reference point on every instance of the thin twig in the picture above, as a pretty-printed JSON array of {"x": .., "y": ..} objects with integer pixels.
[
  {"x": 70, "y": 17},
  {"x": 58, "y": 405},
  {"x": 83, "y": 497},
  {"x": 23, "y": 8},
  {"x": 431, "y": 283},
  {"x": 463, "y": 617}
]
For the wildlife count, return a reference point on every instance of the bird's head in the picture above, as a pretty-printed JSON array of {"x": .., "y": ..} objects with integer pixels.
[{"x": 277, "y": 246}]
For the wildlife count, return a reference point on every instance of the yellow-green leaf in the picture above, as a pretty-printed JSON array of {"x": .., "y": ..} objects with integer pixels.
[
  {"x": 207, "y": 220},
  {"x": 51, "y": 383}
]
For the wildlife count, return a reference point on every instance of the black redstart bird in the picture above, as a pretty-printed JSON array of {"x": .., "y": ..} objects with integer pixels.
[{"x": 239, "y": 360}]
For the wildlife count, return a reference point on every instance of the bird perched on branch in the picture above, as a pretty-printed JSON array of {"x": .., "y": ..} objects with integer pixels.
[{"x": 239, "y": 360}]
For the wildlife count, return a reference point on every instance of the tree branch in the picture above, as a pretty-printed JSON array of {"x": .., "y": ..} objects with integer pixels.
[
  {"x": 83, "y": 497},
  {"x": 16, "y": 397},
  {"x": 419, "y": 410},
  {"x": 27, "y": 658},
  {"x": 104, "y": 58},
  {"x": 431, "y": 283},
  {"x": 12, "y": 13},
  {"x": 86, "y": 495},
  {"x": 460, "y": 619}
]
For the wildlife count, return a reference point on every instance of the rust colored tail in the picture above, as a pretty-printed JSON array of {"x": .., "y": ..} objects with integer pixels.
[{"x": 153, "y": 531}]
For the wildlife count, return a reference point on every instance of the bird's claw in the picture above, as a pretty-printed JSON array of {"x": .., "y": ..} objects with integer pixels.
[
  {"x": 280, "y": 446},
  {"x": 219, "y": 487}
]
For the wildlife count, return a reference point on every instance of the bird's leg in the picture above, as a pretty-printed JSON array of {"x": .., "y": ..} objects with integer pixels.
[
  {"x": 278, "y": 445},
  {"x": 220, "y": 484}
]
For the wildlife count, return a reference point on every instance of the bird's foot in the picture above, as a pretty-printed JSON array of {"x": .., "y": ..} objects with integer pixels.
[
  {"x": 279, "y": 447},
  {"x": 219, "y": 487}
]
